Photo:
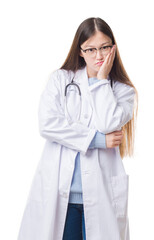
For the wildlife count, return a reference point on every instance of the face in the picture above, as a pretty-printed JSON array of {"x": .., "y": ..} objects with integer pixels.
[{"x": 93, "y": 63}]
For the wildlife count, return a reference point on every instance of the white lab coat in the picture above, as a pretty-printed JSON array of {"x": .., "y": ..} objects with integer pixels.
[{"x": 104, "y": 180}]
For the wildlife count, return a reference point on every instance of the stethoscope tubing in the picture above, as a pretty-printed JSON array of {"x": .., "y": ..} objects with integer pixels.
[
  {"x": 72, "y": 83},
  {"x": 65, "y": 99}
]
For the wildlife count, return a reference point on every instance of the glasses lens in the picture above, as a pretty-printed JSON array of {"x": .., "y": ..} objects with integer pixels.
[
  {"x": 91, "y": 52},
  {"x": 106, "y": 49}
]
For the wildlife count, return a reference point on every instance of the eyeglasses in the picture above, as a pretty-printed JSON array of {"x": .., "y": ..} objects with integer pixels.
[{"x": 91, "y": 52}]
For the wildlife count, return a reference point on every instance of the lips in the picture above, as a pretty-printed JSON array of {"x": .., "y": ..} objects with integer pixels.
[{"x": 99, "y": 63}]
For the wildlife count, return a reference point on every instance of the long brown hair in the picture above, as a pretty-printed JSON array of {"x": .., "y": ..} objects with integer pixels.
[{"x": 118, "y": 73}]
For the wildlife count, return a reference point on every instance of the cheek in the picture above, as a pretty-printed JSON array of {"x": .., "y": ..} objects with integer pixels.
[
  {"x": 89, "y": 61},
  {"x": 105, "y": 57}
]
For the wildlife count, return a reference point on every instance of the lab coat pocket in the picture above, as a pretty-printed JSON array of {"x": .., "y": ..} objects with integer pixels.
[
  {"x": 39, "y": 190},
  {"x": 119, "y": 186}
]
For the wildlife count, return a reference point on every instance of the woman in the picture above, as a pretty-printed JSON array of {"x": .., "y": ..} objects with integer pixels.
[{"x": 80, "y": 188}]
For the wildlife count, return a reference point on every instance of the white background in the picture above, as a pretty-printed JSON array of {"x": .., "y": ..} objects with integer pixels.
[{"x": 35, "y": 39}]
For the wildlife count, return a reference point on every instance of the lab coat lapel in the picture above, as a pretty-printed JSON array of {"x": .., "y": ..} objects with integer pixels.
[{"x": 81, "y": 78}]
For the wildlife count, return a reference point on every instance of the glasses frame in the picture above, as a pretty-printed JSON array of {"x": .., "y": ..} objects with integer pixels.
[{"x": 97, "y": 49}]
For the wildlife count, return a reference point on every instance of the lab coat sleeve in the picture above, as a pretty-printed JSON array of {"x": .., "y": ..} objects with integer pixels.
[
  {"x": 99, "y": 141},
  {"x": 113, "y": 108},
  {"x": 53, "y": 124}
]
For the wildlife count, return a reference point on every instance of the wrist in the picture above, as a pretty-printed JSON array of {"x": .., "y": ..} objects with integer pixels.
[{"x": 102, "y": 77}]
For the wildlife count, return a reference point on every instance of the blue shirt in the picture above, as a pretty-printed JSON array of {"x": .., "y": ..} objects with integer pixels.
[{"x": 76, "y": 186}]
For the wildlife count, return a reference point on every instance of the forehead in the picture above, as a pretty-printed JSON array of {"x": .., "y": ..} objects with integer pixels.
[{"x": 97, "y": 39}]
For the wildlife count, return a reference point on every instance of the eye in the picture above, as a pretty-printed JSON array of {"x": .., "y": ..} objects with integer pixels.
[
  {"x": 106, "y": 47},
  {"x": 90, "y": 50}
]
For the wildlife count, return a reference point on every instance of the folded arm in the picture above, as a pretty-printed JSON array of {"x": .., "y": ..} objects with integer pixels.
[
  {"x": 53, "y": 124},
  {"x": 112, "y": 108}
]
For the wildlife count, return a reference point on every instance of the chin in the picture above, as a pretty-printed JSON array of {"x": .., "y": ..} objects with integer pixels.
[{"x": 93, "y": 70}]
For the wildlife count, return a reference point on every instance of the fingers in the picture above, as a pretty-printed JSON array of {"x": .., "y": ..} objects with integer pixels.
[
  {"x": 117, "y": 142},
  {"x": 117, "y": 133},
  {"x": 113, "y": 50},
  {"x": 117, "y": 138},
  {"x": 111, "y": 55},
  {"x": 107, "y": 65}
]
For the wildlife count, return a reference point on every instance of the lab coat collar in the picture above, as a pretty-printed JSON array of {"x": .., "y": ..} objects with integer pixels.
[{"x": 81, "y": 77}]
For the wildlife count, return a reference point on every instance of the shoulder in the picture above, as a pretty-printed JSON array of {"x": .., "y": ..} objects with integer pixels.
[{"x": 59, "y": 74}]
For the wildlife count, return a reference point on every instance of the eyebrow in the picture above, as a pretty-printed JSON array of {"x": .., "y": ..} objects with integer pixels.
[{"x": 100, "y": 45}]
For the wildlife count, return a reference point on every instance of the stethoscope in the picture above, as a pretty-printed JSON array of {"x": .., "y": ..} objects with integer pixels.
[
  {"x": 65, "y": 98},
  {"x": 72, "y": 83}
]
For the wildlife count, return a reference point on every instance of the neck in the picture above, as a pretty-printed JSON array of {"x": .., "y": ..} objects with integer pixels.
[{"x": 91, "y": 74}]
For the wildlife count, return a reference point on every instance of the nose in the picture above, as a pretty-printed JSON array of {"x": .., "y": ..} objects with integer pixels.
[{"x": 99, "y": 55}]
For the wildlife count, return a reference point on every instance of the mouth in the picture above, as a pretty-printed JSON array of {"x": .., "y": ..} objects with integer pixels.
[{"x": 99, "y": 63}]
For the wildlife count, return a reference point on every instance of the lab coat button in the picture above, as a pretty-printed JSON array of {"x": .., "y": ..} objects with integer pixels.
[{"x": 65, "y": 194}]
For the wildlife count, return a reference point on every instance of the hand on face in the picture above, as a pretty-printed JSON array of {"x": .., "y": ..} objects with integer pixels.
[{"x": 107, "y": 64}]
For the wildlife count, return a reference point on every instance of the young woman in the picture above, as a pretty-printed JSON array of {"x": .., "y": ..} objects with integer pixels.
[{"x": 80, "y": 188}]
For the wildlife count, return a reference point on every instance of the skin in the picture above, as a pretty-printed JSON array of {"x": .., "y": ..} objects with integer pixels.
[{"x": 101, "y": 72}]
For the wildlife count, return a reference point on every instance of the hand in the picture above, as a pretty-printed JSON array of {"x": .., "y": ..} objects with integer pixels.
[
  {"x": 114, "y": 139},
  {"x": 107, "y": 64}
]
